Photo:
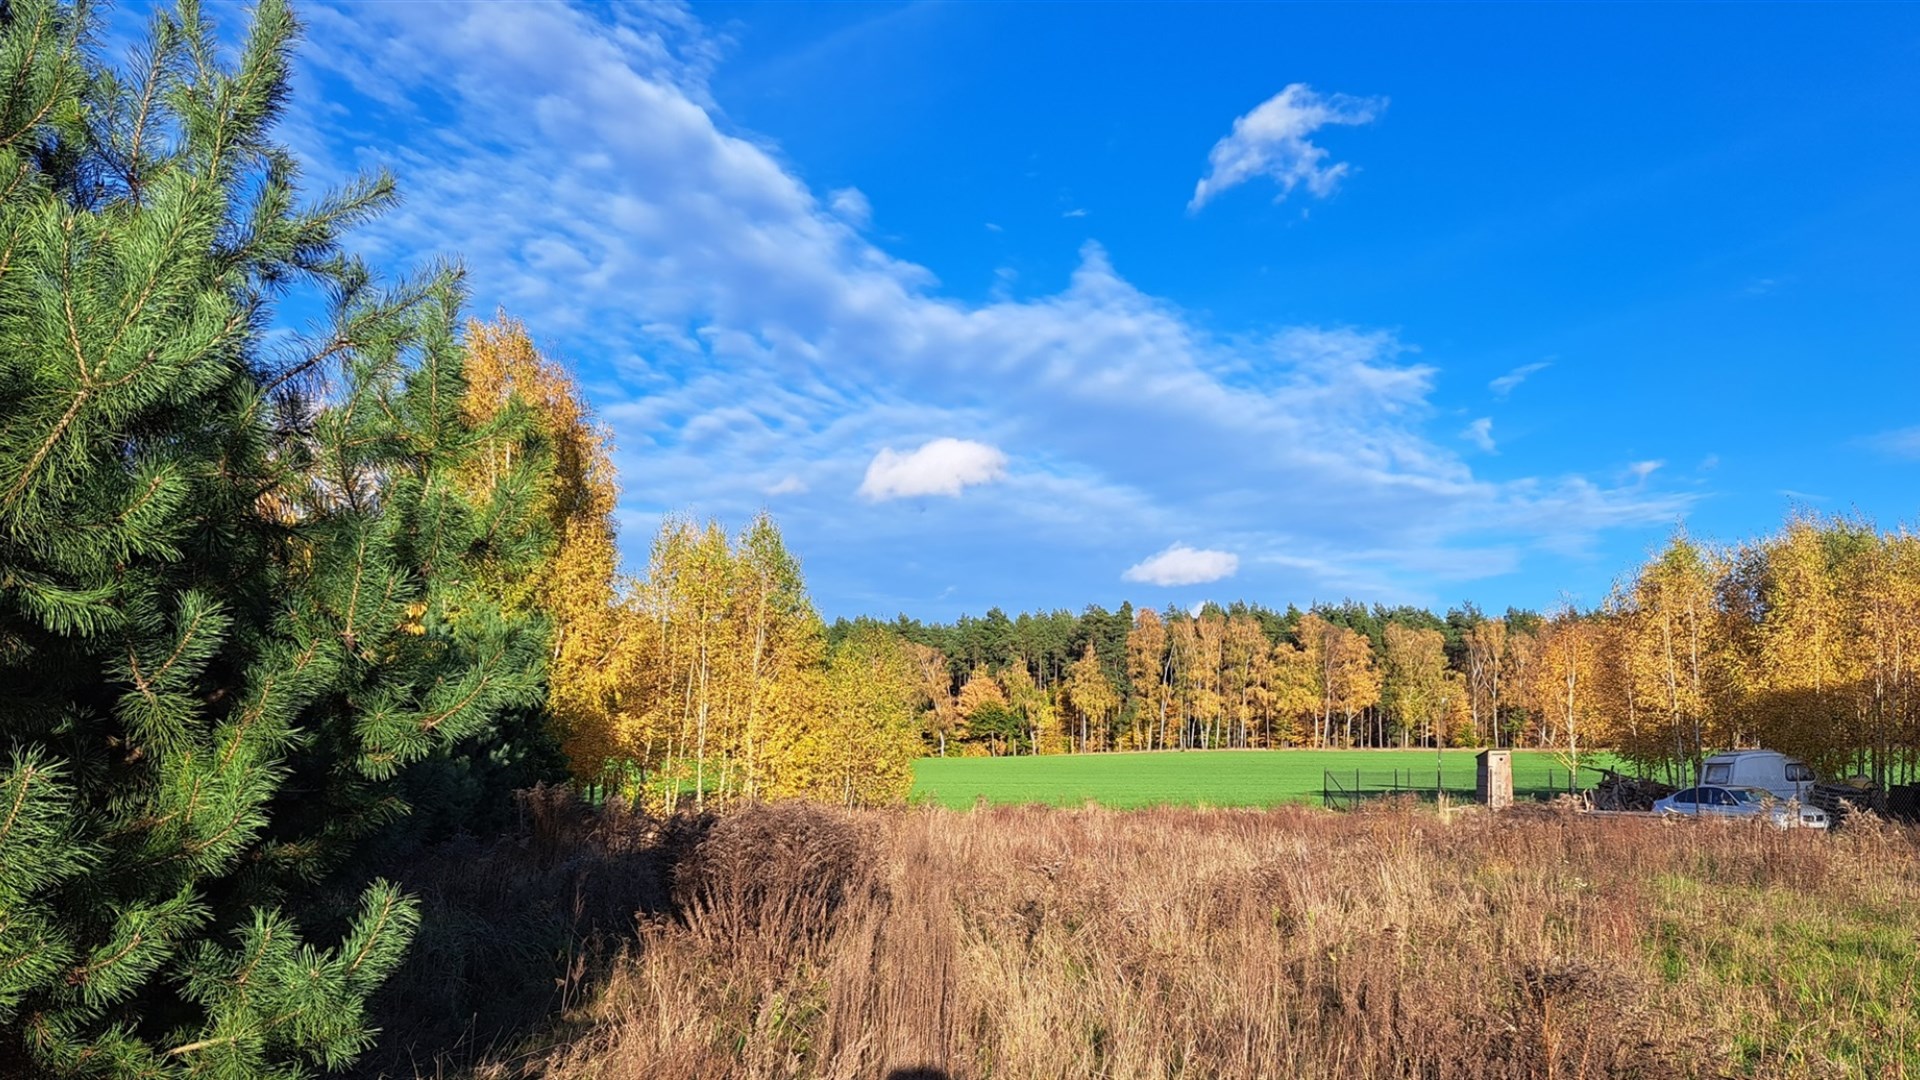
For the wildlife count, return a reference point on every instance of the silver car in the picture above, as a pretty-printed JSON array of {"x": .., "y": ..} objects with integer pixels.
[{"x": 1740, "y": 802}]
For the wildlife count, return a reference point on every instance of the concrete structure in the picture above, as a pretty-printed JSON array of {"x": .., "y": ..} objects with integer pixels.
[{"x": 1493, "y": 779}]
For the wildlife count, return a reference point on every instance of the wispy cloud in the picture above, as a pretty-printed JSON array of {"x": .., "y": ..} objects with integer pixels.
[
  {"x": 742, "y": 334},
  {"x": 1183, "y": 565},
  {"x": 1505, "y": 384},
  {"x": 1075, "y": 213},
  {"x": 1899, "y": 443},
  {"x": 1640, "y": 470},
  {"x": 1274, "y": 141},
  {"x": 941, "y": 467},
  {"x": 1480, "y": 433},
  {"x": 852, "y": 207}
]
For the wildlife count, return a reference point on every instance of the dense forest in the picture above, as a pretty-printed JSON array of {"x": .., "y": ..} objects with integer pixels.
[{"x": 1804, "y": 641}]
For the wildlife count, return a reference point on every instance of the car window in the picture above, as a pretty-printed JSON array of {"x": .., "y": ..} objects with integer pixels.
[
  {"x": 1719, "y": 774},
  {"x": 1685, "y": 796},
  {"x": 1750, "y": 796},
  {"x": 1718, "y": 797},
  {"x": 1798, "y": 773}
]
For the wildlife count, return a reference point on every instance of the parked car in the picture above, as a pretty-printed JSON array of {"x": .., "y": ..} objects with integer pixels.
[
  {"x": 1741, "y": 802},
  {"x": 1786, "y": 777}
]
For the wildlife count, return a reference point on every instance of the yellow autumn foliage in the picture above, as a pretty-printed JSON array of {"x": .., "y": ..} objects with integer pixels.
[
  {"x": 575, "y": 585},
  {"x": 709, "y": 678}
]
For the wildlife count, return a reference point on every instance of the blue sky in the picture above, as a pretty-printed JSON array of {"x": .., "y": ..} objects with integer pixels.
[{"x": 1041, "y": 306}]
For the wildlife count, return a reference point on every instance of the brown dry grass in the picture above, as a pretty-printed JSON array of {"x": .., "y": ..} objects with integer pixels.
[{"x": 1030, "y": 942}]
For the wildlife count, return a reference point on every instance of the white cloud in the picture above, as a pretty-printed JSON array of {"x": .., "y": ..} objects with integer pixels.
[
  {"x": 1272, "y": 141},
  {"x": 732, "y": 325},
  {"x": 941, "y": 467},
  {"x": 851, "y": 206},
  {"x": 1506, "y": 384},
  {"x": 1183, "y": 565},
  {"x": 1480, "y": 433},
  {"x": 1074, "y": 213},
  {"x": 1640, "y": 470},
  {"x": 788, "y": 485}
]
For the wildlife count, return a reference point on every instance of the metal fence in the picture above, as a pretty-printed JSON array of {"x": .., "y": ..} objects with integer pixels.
[{"x": 1342, "y": 790}]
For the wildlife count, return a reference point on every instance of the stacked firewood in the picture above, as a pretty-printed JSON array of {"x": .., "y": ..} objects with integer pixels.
[
  {"x": 1840, "y": 798},
  {"x": 1617, "y": 791}
]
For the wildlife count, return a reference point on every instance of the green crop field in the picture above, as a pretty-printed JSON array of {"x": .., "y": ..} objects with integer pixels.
[{"x": 1221, "y": 777}]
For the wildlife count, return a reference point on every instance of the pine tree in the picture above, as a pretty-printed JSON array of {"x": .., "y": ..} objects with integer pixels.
[{"x": 241, "y": 588}]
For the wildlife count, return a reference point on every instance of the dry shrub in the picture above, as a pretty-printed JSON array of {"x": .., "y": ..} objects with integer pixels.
[
  {"x": 764, "y": 884},
  {"x": 1034, "y": 942}
]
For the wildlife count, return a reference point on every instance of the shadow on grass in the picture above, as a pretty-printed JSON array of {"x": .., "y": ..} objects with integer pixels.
[{"x": 518, "y": 928}]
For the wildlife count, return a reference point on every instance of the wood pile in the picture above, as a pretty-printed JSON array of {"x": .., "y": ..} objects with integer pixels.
[
  {"x": 1840, "y": 798},
  {"x": 1616, "y": 791}
]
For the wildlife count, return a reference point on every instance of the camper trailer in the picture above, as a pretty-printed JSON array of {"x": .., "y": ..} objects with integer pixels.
[{"x": 1768, "y": 770}]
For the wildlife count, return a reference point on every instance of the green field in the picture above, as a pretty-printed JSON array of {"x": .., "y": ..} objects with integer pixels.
[{"x": 1219, "y": 777}]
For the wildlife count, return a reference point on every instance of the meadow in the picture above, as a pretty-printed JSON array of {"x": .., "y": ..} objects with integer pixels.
[
  {"x": 1221, "y": 778},
  {"x": 796, "y": 941}
]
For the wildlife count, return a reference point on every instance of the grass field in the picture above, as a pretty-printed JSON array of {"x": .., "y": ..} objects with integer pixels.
[
  {"x": 1218, "y": 777},
  {"x": 1172, "y": 943}
]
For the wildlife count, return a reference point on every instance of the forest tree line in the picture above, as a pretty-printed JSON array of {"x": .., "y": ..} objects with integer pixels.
[{"x": 1805, "y": 641}]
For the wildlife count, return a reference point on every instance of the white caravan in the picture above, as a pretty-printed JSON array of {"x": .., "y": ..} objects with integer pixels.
[{"x": 1786, "y": 777}]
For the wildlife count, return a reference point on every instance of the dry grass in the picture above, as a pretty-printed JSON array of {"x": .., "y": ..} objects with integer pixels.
[
  {"x": 1029, "y": 942},
  {"x": 519, "y": 927}
]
